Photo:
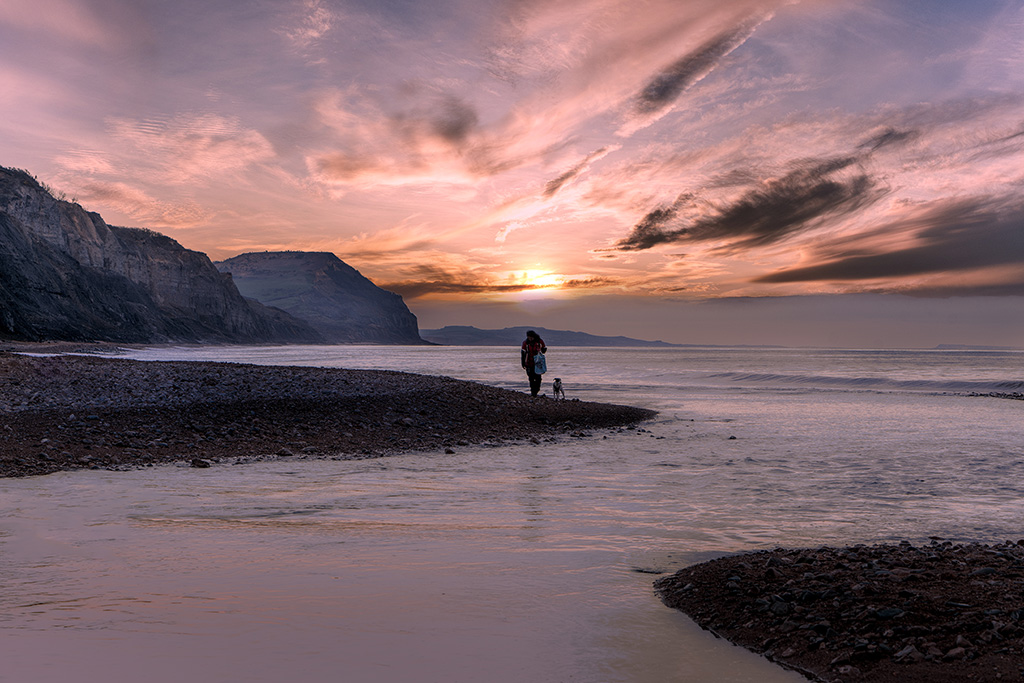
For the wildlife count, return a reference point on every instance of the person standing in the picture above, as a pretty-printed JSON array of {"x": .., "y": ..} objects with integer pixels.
[{"x": 531, "y": 347}]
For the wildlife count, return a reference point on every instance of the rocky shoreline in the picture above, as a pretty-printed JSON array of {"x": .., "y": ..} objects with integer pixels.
[
  {"x": 940, "y": 612},
  {"x": 78, "y": 411}
]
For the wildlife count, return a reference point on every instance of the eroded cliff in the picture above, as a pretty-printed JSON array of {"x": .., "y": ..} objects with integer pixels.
[
  {"x": 332, "y": 296},
  {"x": 66, "y": 274}
]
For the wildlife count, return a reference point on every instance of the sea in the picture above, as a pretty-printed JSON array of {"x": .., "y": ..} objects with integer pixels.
[{"x": 505, "y": 562}]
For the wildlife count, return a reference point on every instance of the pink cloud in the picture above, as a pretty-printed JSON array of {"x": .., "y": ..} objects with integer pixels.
[
  {"x": 57, "y": 19},
  {"x": 145, "y": 209},
  {"x": 579, "y": 73},
  {"x": 190, "y": 147},
  {"x": 316, "y": 21}
]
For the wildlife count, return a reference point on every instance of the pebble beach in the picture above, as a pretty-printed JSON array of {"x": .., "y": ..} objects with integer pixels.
[
  {"x": 62, "y": 412},
  {"x": 899, "y": 613}
]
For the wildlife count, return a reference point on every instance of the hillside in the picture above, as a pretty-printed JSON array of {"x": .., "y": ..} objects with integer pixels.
[
  {"x": 341, "y": 304},
  {"x": 67, "y": 275}
]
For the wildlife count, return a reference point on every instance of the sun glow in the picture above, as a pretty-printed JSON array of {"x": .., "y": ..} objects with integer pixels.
[{"x": 540, "y": 279}]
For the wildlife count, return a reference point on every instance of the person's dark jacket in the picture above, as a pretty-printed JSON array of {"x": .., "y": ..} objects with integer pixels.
[{"x": 531, "y": 349}]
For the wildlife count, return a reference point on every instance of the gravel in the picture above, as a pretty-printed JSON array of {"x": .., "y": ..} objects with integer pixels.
[
  {"x": 888, "y": 613},
  {"x": 71, "y": 412}
]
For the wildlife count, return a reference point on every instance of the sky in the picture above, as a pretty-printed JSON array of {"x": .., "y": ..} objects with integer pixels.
[{"x": 802, "y": 172}]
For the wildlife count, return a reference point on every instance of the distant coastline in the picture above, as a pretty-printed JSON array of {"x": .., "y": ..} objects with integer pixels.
[
  {"x": 975, "y": 347},
  {"x": 467, "y": 335}
]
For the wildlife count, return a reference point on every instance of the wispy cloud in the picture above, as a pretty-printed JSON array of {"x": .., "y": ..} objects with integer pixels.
[
  {"x": 949, "y": 237},
  {"x": 190, "y": 147},
  {"x": 145, "y": 209},
  {"x": 662, "y": 91},
  {"x": 555, "y": 184},
  {"x": 801, "y": 200},
  {"x": 85, "y": 162},
  {"x": 424, "y": 142},
  {"x": 578, "y": 73},
  {"x": 316, "y": 21}
]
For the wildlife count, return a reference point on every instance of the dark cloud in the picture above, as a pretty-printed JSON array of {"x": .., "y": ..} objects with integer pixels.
[
  {"x": 665, "y": 87},
  {"x": 588, "y": 283},
  {"x": 655, "y": 228},
  {"x": 366, "y": 254},
  {"x": 446, "y": 117},
  {"x": 412, "y": 289},
  {"x": 437, "y": 280},
  {"x": 454, "y": 120},
  {"x": 736, "y": 177},
  {"x": 949, "y": 237},
  {"x": 800, "y": 200},
  {"x": 556, "y": 184},
  {"x": 889, "y": 136}
]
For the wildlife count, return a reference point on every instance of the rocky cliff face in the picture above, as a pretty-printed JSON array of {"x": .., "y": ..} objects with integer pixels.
[
  {"x": 66, "y": 274},
  {"x": 323, "y": 290}
]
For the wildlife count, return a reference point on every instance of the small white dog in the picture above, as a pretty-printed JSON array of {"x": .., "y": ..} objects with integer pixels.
[{"x": 557, "y": 390}]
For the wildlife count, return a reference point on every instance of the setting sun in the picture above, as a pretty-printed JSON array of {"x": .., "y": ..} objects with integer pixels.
[{"x": 541, "y": 279}]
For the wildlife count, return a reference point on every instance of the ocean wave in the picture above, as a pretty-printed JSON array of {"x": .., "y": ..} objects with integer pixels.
[{"x": 867, "y": 383}]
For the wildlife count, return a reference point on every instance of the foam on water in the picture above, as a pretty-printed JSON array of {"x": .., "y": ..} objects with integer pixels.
[{"x": 514, "y": 563}]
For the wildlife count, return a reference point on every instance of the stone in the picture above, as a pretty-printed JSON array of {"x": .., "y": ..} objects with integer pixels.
[
  {"x": 788, "y": 626},
  {"x": 954, "y": 654},
  {"x": 199, "y": 462},
  {"x": 909, "y": 653},
  {"x": 888, "y": 613}
]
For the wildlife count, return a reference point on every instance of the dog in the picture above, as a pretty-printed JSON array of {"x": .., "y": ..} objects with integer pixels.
[{"x": 556, "y": 388}]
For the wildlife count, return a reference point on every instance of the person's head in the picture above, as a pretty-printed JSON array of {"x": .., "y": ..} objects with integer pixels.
[{"x": 530, "y": 334}]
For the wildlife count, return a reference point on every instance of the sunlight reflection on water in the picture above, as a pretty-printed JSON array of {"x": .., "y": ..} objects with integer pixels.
[{"x": 516, "y": 563}]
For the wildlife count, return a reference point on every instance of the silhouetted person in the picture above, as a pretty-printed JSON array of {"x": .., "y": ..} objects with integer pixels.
[{"x": 531, "y": 347}]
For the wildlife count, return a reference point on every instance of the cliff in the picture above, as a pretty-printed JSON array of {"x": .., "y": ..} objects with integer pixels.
[
  {"x": 66, "y": 274},
  {"x": 332, "y": 296}
]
